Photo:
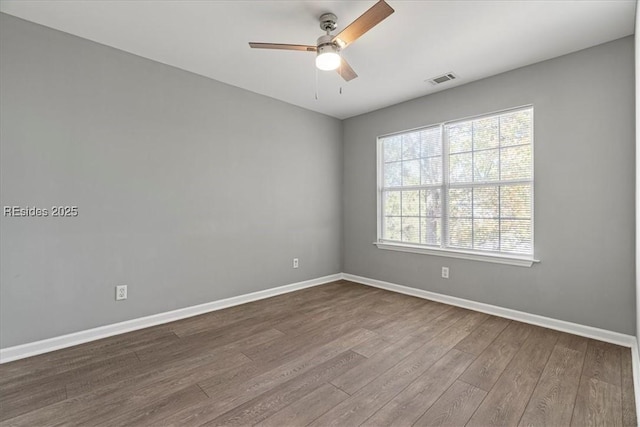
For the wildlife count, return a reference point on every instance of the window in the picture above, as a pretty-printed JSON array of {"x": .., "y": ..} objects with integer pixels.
[{"x": 461, "y": 187}]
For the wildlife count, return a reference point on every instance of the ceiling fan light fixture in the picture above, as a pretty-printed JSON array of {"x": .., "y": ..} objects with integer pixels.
[
  {"x": 327, "y": 58},
  {"x": 327, "y": 61}
]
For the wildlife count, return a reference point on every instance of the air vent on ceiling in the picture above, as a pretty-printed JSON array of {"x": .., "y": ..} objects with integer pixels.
[{"x": 442, "y": 79}]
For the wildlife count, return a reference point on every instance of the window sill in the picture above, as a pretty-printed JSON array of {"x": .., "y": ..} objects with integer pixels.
[{"x": 494, "y": 258}]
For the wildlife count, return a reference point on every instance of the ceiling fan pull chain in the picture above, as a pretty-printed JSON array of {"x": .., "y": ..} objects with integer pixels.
[
  {"x": 316, "y": 83},
  {"x": 340, "y": 73}
]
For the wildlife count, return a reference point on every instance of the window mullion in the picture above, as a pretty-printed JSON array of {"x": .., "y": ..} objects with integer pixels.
[
  {"x": 499, "y": 187},
  {"x": 444, "y": 216},
  {"x": 489, "y": 183},
  {"x": 402, "y": 184},
  {"x": 413, "y": 187},
  {"x": 381, "y": 190},
  {"x": 473, "y": 192}
]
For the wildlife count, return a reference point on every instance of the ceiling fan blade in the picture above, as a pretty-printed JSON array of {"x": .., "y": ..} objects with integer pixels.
[
  {"x": 282, "y": 46},
  {"x": 345, "y": 70},
  {"x": 364, "y": 23}
]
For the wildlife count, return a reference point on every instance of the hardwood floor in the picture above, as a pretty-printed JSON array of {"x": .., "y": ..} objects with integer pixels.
[{"x": 340, "y": 354}]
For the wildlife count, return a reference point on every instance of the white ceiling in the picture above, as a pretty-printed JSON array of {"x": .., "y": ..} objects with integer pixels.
[{"x": 422, "y": 39}]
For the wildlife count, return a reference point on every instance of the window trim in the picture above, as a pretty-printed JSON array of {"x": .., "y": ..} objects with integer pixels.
[
  {"x": 460, "y": 254},
  {"x": 492, "y": 257}
]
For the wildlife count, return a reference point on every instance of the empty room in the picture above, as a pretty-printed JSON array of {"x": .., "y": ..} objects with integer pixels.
[{"x": 319, "y": 213}]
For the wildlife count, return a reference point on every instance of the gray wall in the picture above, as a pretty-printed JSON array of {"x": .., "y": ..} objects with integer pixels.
[
  {"x": 584, "y": 190},
  {"x": 189, "y": 190}
]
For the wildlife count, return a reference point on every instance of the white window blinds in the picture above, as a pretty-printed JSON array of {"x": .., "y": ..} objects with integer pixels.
[{"x": 465, "y": 185}]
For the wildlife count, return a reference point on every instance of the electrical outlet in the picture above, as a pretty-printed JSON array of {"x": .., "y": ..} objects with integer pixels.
[
  {"x": 121, "y": 292},
  {"x": 295, "y": 263},
  {"x": 445, "y": 272}
]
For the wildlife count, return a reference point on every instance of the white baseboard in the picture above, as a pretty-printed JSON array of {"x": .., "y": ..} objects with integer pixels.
[
  {"x": 635, "y": 363},
  {"x": 521, "y": 316},
  {"x": 44, "y": 346}
]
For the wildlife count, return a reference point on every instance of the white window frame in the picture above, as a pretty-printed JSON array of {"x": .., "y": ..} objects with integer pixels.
[{"x": 476, "y": 255}]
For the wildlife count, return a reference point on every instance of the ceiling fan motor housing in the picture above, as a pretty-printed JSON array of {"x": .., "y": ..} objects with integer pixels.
[
  {"x": 326, "y": 44},
  {"x": 328, "y": 22}
]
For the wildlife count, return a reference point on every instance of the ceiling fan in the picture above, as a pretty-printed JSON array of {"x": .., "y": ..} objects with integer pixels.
[{"x": 328, "y": 47}]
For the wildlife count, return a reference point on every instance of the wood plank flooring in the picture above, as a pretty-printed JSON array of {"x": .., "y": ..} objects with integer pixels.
[{"x": 340, "y": 354}]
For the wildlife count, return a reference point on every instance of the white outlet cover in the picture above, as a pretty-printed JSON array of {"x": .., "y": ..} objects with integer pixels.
[{"x": 121, "y": 292}]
